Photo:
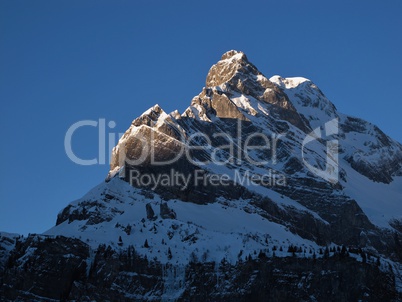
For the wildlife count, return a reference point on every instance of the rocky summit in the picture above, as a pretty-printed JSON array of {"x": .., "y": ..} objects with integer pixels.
[{"x": 259, "y": 191}]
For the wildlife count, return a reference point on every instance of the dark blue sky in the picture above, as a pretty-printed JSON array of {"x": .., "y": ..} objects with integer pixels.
[{"x": 65, "y": 61}]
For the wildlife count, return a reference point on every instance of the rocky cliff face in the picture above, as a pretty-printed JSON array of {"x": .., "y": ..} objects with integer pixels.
[
  {"x": 60, "y": 268},
  {"x": 260, "y": 188}
]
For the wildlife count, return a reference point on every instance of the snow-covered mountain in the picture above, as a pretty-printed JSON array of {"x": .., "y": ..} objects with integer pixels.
[{"x": 255, "y": 171}]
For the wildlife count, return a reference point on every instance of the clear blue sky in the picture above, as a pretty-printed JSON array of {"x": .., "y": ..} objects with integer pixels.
[{"x": 65, "y": 61}]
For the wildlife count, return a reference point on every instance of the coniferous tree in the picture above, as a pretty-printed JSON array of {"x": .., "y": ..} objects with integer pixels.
[
  {"x": 364, "y": 257},
  {"x": 326, "y": 252}
]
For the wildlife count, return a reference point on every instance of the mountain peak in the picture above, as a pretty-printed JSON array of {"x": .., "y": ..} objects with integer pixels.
[
  {"x": 231, "y": 63},
  {"x": 234, "y": 54}
]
